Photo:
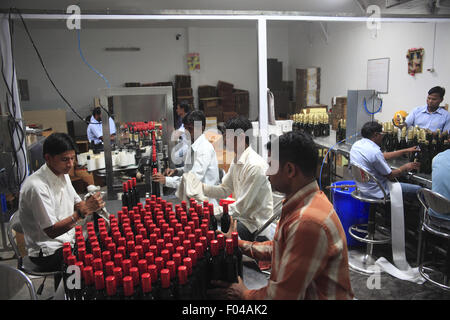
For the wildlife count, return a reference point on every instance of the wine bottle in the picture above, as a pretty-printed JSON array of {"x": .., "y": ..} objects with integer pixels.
[
  {"x": 230, "y": 263},
  {"x": 99, "y": 286},
  {"x": 225, "y": 219},
  {"x": 184, "y": 288},
  {"x": 128, "y": 288},
  {"x": 125, "y": 196},
  {"x": 238, "y": 253},
  {"x": 165, "y": 292},
  {"x": 111, "y": 289},
  {"x": 88, "y": 287},
  {"x": 135, "y": 191},
  {"x": 216, "y": 270},
  {"x": 146, "y": 285}
]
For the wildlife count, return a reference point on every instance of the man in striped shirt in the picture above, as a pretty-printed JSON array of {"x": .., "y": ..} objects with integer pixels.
[{"x": 309, "y": 251}]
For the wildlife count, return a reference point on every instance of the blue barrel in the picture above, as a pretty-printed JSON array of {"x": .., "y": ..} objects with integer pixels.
[{"x": 349, "y": 210}]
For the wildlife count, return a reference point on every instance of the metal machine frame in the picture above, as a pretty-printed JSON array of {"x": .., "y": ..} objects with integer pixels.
[{"x": 167, "y": 122}]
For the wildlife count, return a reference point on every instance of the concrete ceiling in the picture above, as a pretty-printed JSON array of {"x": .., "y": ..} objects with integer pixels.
[{"x": 324, "y": 7}]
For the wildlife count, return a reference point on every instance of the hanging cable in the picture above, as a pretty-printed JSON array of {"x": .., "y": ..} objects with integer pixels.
[
  {"x": 367, "y": 110},
  {"x": 45, "y": 69},
  {"x": 92, "y": 68}
]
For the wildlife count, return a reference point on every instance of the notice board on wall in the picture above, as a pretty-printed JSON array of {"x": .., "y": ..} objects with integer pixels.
[{"x": 378, "y": 75}]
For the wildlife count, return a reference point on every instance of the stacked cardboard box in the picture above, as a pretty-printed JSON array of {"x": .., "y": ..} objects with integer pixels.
[
  {"x": 225, "y": 92},
  {"x": 182, "y": 81},
  {"x": 282, "y": 90},
  {"x": 183, "y": 90},
  {"x": 242, "y": 102},
  {"x": 207, "y": 92},
  {"x": 212, "y": 108},
  {"x": 307, "y": 87},
  {"x": 338, "y": 111}
]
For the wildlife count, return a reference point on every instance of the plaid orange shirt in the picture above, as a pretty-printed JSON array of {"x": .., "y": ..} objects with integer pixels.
[{"x": 308, "y": 254}]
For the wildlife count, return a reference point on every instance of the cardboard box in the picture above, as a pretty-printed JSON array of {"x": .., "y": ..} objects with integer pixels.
[
  {"x": 206, "y": 91},
  {"x": 182, "y": 81},
  {"x": 208, "y": 103},
  {"x": 49, "y": 118},
  {"x": 307, "y": 87},
  {"x": 229, "y": 115}
]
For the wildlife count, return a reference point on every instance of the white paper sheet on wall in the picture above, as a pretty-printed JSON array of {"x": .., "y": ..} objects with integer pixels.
[{"x": 378, "y": 75}]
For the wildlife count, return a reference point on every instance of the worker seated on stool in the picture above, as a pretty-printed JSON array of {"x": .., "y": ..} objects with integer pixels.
[
  {"x": 367, "y": 154},
  {"x": 95, "y": 129},
  {"x": 49, "y": 207},
  {"x": 441, "y": 184},
  {"x": 308, "y": 254}
]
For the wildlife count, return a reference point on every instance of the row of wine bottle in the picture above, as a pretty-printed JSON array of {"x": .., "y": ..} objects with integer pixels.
[
  {"x": 152, "y": 252},
  {"x": 315, "y": 124}
]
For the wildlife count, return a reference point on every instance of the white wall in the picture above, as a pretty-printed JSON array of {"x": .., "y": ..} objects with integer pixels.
[
  {"x": 227, "y": 54},
  {"x": 343, "y": 60}
]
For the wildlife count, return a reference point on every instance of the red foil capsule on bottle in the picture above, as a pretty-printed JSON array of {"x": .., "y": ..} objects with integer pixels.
[
  {"x": 140, "y": 251},
  {"x": 126, "y": 265},
  {"x": 109, "y": 268},
  {"x": 88, "y": 275},
  {"x": 176, "y": 257},
  {"x": 98, "y": 264},
  {"x": 134, "y": 273},
  {"x": 128, "y": 288},
  {"x": 188, "y": 263},
  {"x": 146, "y": 282},
  {"x": 159, "y": 262},
  {"x": 153, "y": 270},
  {"x": 165, "y": 278},
  {"x": 142, "y": 266},
  {"x": 99, "y": 280},
  {"x": 150, "y": 258},
  {"x": 110, "y": 283},
  {"x": 134, "y": 257}
]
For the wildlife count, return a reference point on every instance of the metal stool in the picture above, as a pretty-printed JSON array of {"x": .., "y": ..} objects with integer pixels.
[
  {"x": 24, "y": 263},
  {"x": 437, "y": 273},
  {"x": 364, "y": 262}
]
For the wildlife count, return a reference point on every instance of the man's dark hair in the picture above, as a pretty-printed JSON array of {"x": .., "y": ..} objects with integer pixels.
[
  {"x": 96, "y": 111},
  {"x": 370, "y": 128},
  {"x": 239, "y": 123},
  {"x": 438, "y": 90},
  {"x": 195, "y": 115},
  {"x": 58, "y": 143},
  {"x": 184, "y": 104},
  {"x": 299, "y": 148}
]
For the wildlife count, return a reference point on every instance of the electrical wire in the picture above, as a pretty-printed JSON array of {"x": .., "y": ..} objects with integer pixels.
[
  {"x": 365, "y": 106},
  {"x": 87, "y": 63},
  {"x": 45, "y": 68},
  {"x": 92, "y": 68}
]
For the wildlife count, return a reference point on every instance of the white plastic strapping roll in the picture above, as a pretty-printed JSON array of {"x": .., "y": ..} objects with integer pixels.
[{"x": 402, "y": 270}]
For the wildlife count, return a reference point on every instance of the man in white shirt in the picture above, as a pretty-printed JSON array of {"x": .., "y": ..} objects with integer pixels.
[
  {"x": 49, "y": 207},
  {"x": 95, "y": 128},
  {"x": 183, "y": 144},
  {"x": 246, "y": 179},
  {"x": 201, "y": 160}
]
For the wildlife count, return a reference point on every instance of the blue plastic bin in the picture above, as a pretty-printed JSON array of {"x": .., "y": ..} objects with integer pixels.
[{"x": 350, "y": 210}]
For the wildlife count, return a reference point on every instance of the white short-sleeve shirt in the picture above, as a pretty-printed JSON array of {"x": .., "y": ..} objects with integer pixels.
[{"x": 44, "y": 200}]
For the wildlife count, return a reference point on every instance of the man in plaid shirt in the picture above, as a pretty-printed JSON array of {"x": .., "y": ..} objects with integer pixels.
[{"x": 309, "y": 251}]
